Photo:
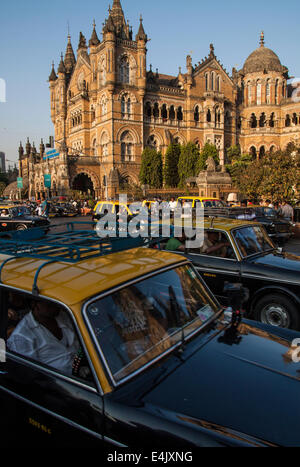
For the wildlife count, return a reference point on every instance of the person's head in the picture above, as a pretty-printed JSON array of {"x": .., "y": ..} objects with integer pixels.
[
  {"x": 44, "y": 310},
  {"x": 213, "y": 237}
]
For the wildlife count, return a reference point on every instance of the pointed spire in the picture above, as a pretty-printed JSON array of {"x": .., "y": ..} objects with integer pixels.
[
  {"x": 141, "y": 35},
  {"x": 70, "y": 59},
  {"x": 118, "y": 18},
  {"x": 52, "y": 76},
  {"x": 109, "y": 26},
  {"x": 28, "y": 147},
  {"x": 262, "y": 39},
  {"x": 42, "y": 147},
  {"x": 82, "y": 42},
  {"x": 61, "y": 68},
  {"x": 94, "y": 40}
]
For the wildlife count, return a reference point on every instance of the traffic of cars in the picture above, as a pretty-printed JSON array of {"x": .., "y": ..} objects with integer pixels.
[{"x": 117, "y": 343}]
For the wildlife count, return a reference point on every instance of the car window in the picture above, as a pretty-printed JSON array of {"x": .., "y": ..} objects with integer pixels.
[
  {"x": 43, "y": 332},
  {"x": 106, "y": 209},
  {"x": 142, "y": 321},
  {"x": 215, "y": 244},
  {"x": 252, "y": 240}
]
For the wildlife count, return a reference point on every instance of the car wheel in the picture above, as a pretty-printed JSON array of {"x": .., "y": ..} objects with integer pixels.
[
  {"x": 277, "y": 310},
  {"x": 22, "y": 227}
]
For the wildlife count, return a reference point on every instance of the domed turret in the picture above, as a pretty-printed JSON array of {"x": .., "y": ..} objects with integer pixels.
[{"x": 262, "y": 60}]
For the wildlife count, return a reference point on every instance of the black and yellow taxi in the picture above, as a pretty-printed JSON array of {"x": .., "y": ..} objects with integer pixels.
[
  {"x": 203, "y": 202},
  {"x": 102, "y": 346},
  {"x": 239, "y": 251}
]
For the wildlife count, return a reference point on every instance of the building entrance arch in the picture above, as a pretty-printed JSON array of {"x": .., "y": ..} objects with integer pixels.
[{"x": 82, "y": 182}]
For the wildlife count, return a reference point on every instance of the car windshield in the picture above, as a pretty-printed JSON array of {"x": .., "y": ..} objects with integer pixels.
[
  {"x": 19, "y": 211},
  {"x": 140, "y": 322},
  {"x": 252, "y": 240}
]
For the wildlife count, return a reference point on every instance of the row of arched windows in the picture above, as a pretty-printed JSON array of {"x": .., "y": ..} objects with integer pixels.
[
  {"x": 254, "y": 92},
  {"x": 212, "y": 81},
  {"x": 264, "y": 121},
  {"x": 164, "y": 112},
  {"x": 76, "y": 119}
]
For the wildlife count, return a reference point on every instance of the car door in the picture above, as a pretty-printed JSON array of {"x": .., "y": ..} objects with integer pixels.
[
  {"x": 216, "y": 270},
  {"x": 40, "y": 404}
]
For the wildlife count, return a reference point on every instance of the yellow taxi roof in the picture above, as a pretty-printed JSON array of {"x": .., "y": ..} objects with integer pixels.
[
  {"x": 201, "y": 198},
  {"x": 75, "y": 283}
]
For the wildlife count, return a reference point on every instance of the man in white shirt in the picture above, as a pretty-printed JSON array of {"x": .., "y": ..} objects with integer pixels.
[{"x": 46, "y": 334}]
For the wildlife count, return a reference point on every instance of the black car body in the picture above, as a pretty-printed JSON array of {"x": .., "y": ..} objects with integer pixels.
[
  {"x": 19, "y": 218},
  {"x": 196, "y": 386},
  {"x": 272, "y": 276},
  {"x": 279, "y": 229}
]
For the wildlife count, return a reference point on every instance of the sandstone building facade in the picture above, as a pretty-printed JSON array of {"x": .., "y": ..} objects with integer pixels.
[{"x": 107, "y": 106}]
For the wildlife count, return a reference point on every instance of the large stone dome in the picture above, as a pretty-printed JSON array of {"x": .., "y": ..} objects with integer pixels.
[{"x": 262, "y": 59}]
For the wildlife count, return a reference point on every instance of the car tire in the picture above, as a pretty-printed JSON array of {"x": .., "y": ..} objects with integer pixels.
[
  {"x": 22, "y": 227},
  {"x": 277, "y": 310}
]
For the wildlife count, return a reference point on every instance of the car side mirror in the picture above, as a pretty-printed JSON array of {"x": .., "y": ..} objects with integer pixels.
[{"x": 237, "y": 295}]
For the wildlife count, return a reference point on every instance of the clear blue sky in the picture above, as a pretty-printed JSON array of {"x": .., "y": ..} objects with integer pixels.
[{"x": 34, "y": 32}]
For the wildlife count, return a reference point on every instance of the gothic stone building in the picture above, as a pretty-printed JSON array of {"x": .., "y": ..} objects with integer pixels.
[{"x": 106, "y": 108}]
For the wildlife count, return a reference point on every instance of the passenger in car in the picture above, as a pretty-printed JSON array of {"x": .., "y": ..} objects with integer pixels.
[
  {"x": 213, "y": 246},
  {"x": 46, "y": 335}
]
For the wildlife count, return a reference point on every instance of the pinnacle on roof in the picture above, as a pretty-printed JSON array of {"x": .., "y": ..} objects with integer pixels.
[
  {"x": 61, "y": 68},
  {"x": 262, "y": 39},
  {"x": 82, "y": 41},
  {"x": 94, "y": 40},
  {"x": 141, "y": 35},
  {"x": 53, "y": 76},
  {"x": 70, "y": 59}
]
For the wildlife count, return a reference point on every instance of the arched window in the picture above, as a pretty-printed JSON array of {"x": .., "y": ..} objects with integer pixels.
[
  {"x": 218, "y": 84},
  {"x": 253, "y": 121},
  {"x": 212, "y": 80},
  {"x": 129, "y": 107},
  {"x": 123, "y": 106},
  {"x": 295, "y": 119},
  {"x": 179, "y": 114},
  {"x": 272, "y": 149},
  {"x": 262, "y": 152},
  {"x": 249, "y": 93},
  {"x": 208, "y": 116},
  {"x": 276, "y": 91},
  {"x": 253, "y": 152},
  {"x": 287, "y": 121},
  {"x": 206, "y": 81},
  {"x": 156, "y": 110},
  {"x": 124, "y": 72},
  {"x": 196, "y": 114},
  {"x": 268, "y": 92},
  {"x": 217, "y": 116},
  {"x": 164, "y": 112},
  {"x": 258, "y": 93},
  {"x": 262, "y": 120},
  {"x": 172, "y": 113},
  {"x": 272, "y": 120},
  {"x": 127, "y": 147}
]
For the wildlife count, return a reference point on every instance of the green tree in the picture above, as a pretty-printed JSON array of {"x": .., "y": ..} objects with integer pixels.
[
  {"x": 151, "y": 172},
  {"x": 188, "y": 162},
  {"x": 209, "y": 150},
  {"x": 171, "y": 175},
  {"x": 237, "y": 162}
]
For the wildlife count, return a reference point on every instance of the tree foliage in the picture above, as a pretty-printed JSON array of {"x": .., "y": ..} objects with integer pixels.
[
  {"x": 188, "y": 162},
  {"x": 151, "y": 172},
  {"x": 276, "y": 176},
  {"x": 171, "y": 175}
]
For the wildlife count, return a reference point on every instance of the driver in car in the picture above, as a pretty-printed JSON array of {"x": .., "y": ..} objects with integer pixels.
[{"x": 46, "y": 334}]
